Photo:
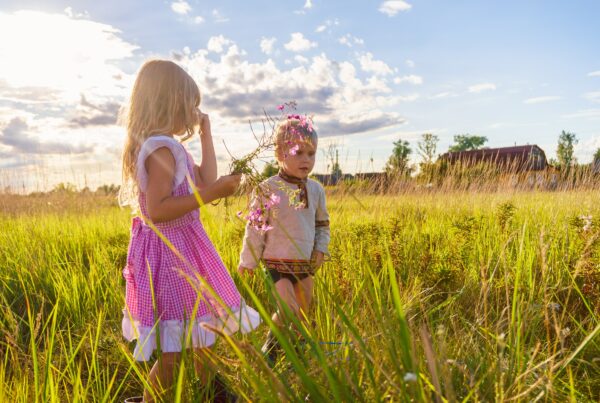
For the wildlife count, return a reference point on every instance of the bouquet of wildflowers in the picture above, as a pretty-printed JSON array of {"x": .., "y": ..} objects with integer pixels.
[{"x": 263, "y": 199}]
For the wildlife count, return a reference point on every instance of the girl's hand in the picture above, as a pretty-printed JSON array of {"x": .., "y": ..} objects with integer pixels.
[
  {"x": 226, "y": 185},
  {"x": 204, "y": 123},
  {"x": 245, "y": 271},
  {"x": 317, "y": 258}
]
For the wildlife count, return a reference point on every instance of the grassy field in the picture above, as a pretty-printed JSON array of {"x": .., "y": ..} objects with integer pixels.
[{"x": 436, "y": 296}]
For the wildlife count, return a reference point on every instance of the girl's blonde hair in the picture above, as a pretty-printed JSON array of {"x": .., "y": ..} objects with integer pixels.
[
  {"x": 290, "y": 132},
  {"x": 163, "y": 101}
]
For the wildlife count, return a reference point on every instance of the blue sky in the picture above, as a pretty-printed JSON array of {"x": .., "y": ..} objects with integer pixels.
[{"x": 371, "y": 72}]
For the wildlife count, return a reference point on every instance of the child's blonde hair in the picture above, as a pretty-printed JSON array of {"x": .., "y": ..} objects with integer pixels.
[
  {"x": 163, "y": 101},
  {"x": 292, "y": 131}
]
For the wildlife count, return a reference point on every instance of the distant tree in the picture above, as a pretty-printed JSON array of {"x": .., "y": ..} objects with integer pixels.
[
  {"x": 427, "y": 147},
  {"x": 271, "y": 168},
  {"x": 111, "y": 189},
  {"x": 597, "y": 155},
  {"x": 398, "y": 161},
  {"x": 465, "y": 142},
  {"x": 64, "y": 187},
  {"x": 566, "y": 149},
  {"x": 332, "y": 154}
]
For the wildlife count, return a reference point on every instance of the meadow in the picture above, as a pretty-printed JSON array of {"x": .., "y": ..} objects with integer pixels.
[{"x": 428, "y": 296}]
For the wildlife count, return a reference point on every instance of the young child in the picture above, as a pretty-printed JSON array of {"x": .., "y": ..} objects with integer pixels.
[
  {"x": 296, "y": 242},
  {"x": 176, "y": 283}
]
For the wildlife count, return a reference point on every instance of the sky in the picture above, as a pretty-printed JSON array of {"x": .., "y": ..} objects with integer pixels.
[{"x": 371, "y": 73}]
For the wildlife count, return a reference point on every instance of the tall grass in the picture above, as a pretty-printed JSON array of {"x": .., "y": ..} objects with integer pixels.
[{"x": 428, "y": 296}]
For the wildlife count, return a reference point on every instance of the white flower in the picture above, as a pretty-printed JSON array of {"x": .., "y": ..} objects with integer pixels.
[
  {"x": 587, "y": 222},
  {"x": 410, "y": 377}
]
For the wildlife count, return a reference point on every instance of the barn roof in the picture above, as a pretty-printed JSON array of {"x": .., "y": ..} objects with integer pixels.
[
  {"x": 500, "y": 151},
  {"x": 520, "y": 155}
]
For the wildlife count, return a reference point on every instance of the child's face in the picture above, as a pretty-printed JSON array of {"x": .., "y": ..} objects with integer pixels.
[{"x": 302, "y": 162}]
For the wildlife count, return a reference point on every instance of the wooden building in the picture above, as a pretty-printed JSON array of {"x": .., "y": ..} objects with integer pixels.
[{"x": 510, "y": 159}]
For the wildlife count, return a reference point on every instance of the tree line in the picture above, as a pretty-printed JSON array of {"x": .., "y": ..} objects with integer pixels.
[{"x": 399, "y": 162}]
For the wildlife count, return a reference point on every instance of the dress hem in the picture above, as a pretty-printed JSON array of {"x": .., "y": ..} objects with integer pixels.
[{"x": 174, "y": 334}]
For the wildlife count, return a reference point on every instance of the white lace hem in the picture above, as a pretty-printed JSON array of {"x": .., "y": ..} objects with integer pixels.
[{"x": 172, "y": 333}]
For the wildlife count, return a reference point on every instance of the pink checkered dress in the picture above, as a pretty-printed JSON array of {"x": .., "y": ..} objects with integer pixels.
[{"x": 168, "y": 285}]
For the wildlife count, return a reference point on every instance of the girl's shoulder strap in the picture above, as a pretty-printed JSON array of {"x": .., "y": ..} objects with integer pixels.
[{"x": 154, "y": 143}]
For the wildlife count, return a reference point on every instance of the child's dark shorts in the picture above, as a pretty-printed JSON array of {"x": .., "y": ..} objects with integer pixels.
[
  {"x": 293, "y": 270},
  {"x": 293, "y": 277}
]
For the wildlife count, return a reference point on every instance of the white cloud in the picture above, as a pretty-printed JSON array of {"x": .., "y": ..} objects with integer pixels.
[
  {"x": 539, "y": 100},
  {"x": 198, "y": 19},
  {"x": 61, "y": 59},
  {"x": 327, "y": 24},
  {"x": 413, "y": 135},
  {"x": 445, "y": 94},
  {"x": 181, "y": 7},
  {"x": 368, "y": 64},
  {"x": 392, "y": 7},
  {"x": 477, "y": 88},
  {"x": 298, "y": 43},
  {"x": 594, "y": 73},
  {"x": 410, "y": 63},
  {"x": 217, "y": 43},
  {"x": 307, "y": 6},
  {"x": 591, "y": 114},
  {"x": 69, "y": 12},
  {"x": 238, "y": 90},
  {"x": 44, "y": 77},
  {"x": 301, "y": 59},
  {"x": 266, "y": 45},
  {"x": 411, "y": 79},
  {"x": 350, "y": 40},
  {"x": 592, "y": 96},
  {"x": 218, "y": 17}
]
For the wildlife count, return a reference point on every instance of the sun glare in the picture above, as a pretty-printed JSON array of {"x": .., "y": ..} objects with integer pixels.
[{"x": 59, "y": 52}]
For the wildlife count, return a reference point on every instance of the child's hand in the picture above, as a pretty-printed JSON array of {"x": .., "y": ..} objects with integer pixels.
[
  {"x": 204, "y": 123},
  {"x": 317, "y": 258},
  {"x": 245, "y": 271},
  {"x": 226, "y": 185}
]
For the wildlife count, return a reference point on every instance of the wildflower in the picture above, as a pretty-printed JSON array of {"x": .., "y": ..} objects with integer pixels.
[
  {"x": 410, "y": 377},
  {"x": 554, "y": 306},
  {"x": 587, "y": 222},
  {"x": 281, "y": 107},
  {"x": 272, "y": 201},
  {"x": 294, "y": 149},
  {"x": 275, "y": 198}
]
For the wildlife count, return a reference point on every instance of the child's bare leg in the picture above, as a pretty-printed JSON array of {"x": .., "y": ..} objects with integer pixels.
[
  {"x": 201, "y": 364},
  {"x": 303, "y": 290},
  {"x": 161, "y": 375},
  {"x": 285, "y": 295}
]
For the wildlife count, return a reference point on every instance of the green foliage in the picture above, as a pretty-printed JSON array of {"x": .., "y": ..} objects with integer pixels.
[
  {"x": 427, "y": 147},
  {"x": 566, "y": 149},
  {"x": 271, "y": 168},
  {"x": 471, "y": 297},
  {"x": 398, "y": 161},
  {"x": 465, "y": 142},
  {"x": 65, "y": 187}
]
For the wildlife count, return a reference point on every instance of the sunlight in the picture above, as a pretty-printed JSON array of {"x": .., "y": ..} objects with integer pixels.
[{"x": 60, "y": 52}]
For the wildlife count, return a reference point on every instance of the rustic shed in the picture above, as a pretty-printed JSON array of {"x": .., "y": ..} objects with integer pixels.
[{"x": 513, "y": 159}]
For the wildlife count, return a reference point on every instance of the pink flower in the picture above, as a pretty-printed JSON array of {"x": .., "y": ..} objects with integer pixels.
[
  {"x": 275, "y": 199},
  {"x": 281, "y": 107},
  {"x": 294, "y": 149}
]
